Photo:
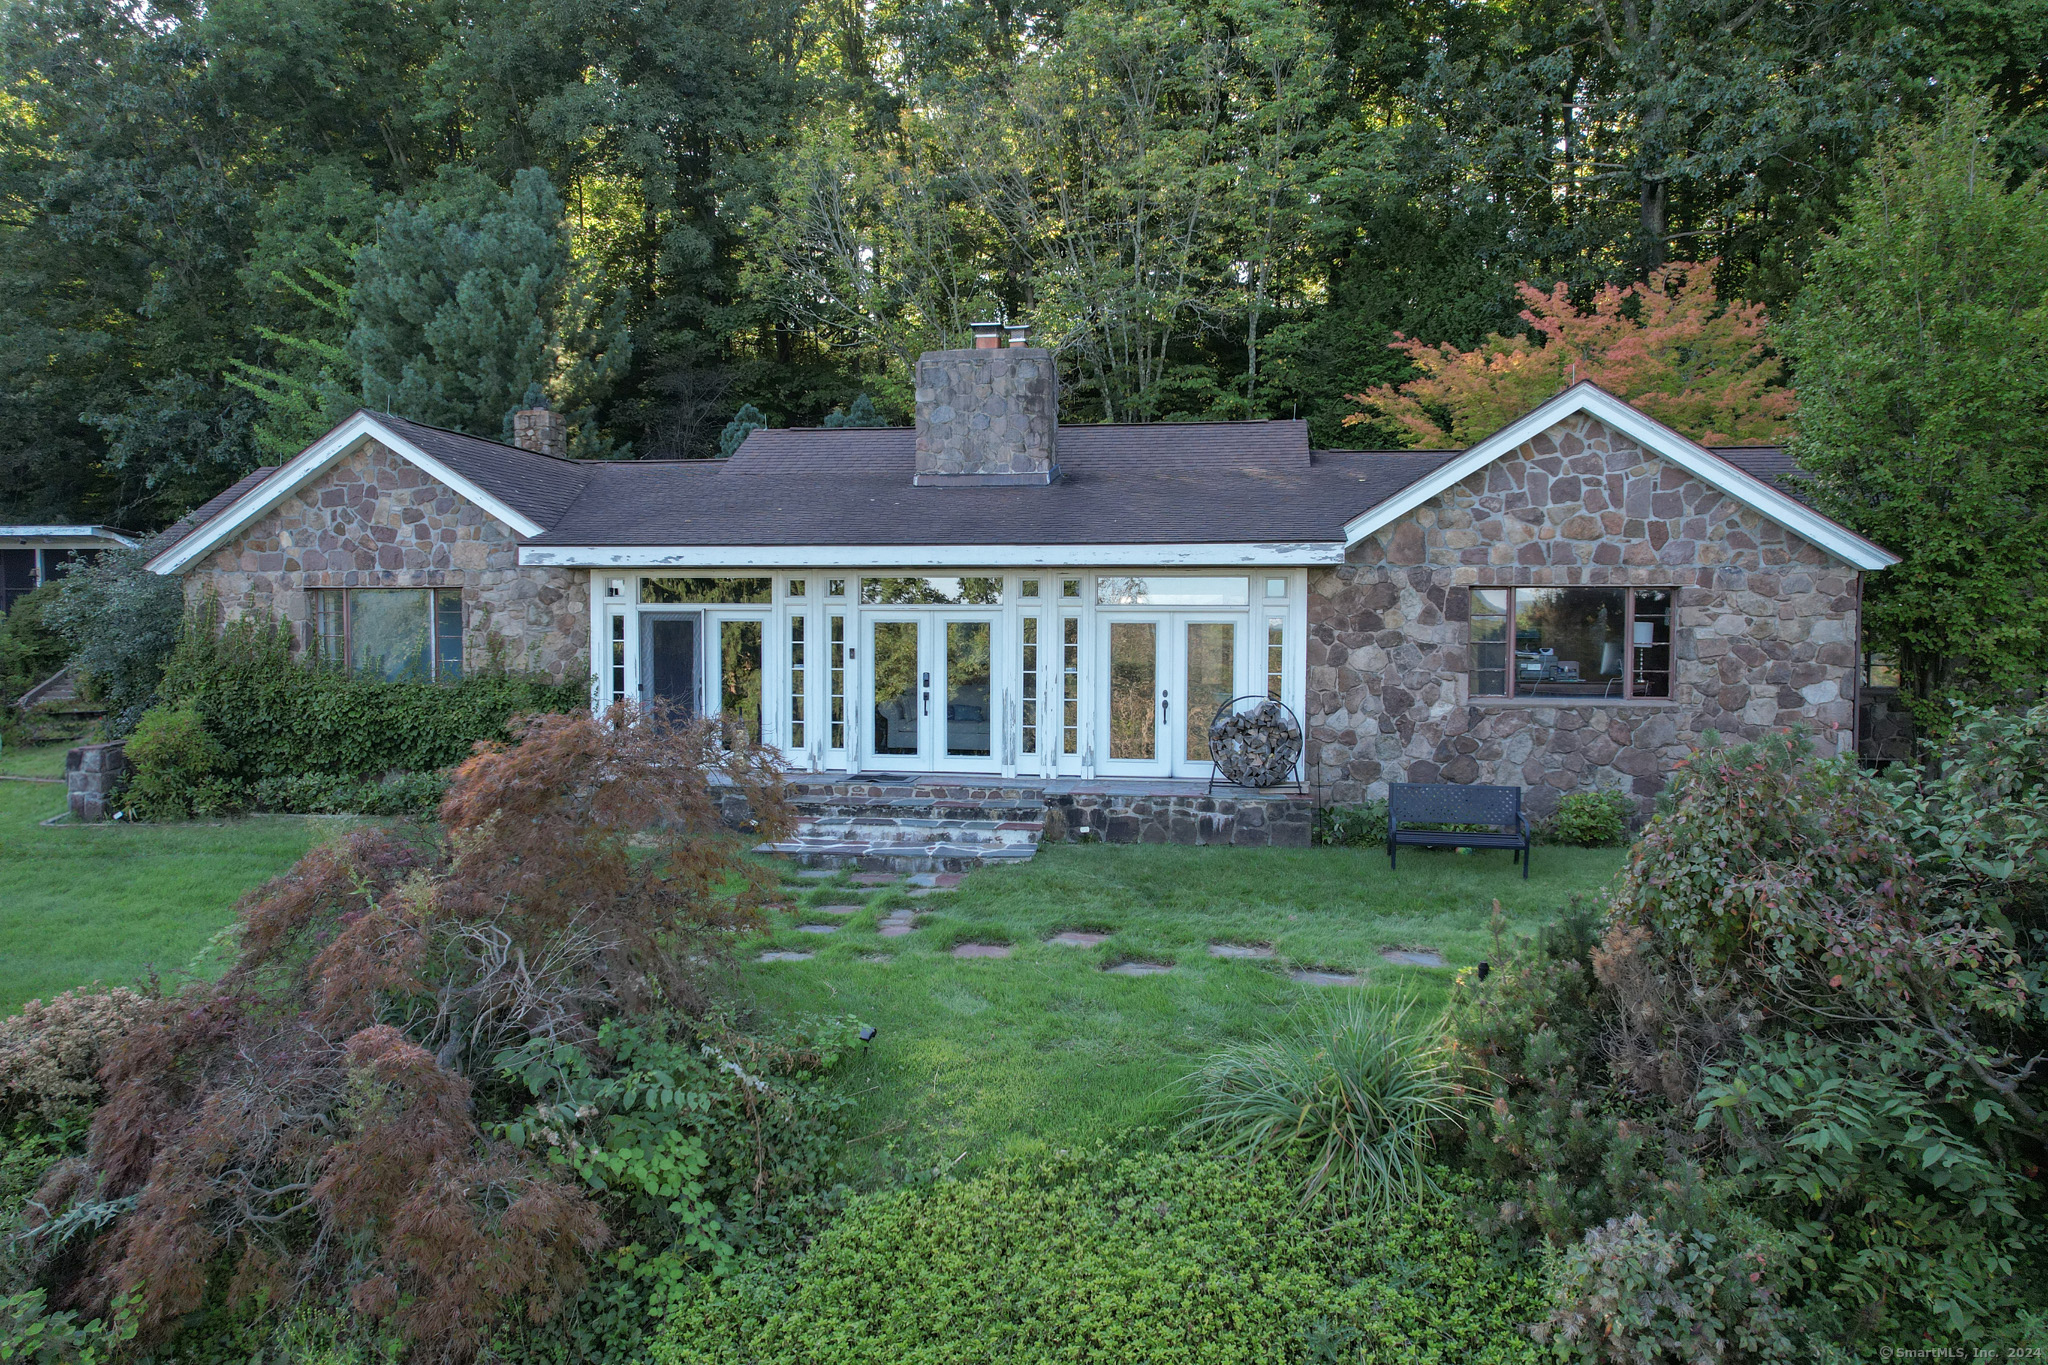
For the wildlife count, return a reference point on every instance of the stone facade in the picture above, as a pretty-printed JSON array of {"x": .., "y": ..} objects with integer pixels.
[
  {"x": 987, "y": 416},
  {"x": 1117, "y": 817},
  {"x": 1765, "y": 631},
  {"x": 377, "y": 521}
]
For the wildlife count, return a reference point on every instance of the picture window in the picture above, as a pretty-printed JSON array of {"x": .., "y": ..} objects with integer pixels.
[
  {"x": 1606, "y": 643},
  {"x": 392, "y": 634}
]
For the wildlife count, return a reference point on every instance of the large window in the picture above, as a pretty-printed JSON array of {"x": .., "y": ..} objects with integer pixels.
[
  {"x": 1571, "y": 642},
  {"x": 1172, "y": 590},
  {"x": 395, "y": 634},
  {"x": 929, "y": 592}
]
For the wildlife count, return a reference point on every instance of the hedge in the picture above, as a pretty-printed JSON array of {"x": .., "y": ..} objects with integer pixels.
[{"x": 277, "y": 717}]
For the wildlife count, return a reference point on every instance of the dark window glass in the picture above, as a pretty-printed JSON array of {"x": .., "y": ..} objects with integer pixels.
[
  {"x": 1568, "y": 642},
  {"x": 674, "y": 591},
  {"x": 1490, "y": 642},
  {"x": 739, "y": 673},
  {"x": 1650, "y": 674},
  {"x": 448, "y": 636}
]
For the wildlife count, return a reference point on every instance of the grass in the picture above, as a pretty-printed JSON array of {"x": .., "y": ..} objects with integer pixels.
[
  {"x": 84, "y": 903},
  {"x": 1045, "y": 1050}
]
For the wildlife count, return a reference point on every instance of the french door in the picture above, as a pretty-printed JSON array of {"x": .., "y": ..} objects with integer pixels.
[
  {"x": 1164, "y": 676},
  {"x": 931, "y": 692}
]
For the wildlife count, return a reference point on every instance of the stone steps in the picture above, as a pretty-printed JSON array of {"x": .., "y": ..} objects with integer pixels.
[{"x": 878, "y": 827}]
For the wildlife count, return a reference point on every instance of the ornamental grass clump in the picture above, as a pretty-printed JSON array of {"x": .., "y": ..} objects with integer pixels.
[{"x": 1357, "y": 1093}]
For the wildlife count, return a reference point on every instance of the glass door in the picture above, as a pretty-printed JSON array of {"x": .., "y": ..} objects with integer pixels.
[
  {"x": 671, "y": 675},
  {"x": 965, "y": 703},
  {"x": 1210, "y": 660},
  {"x": 899, "y": 695},
  {"x": 1137, "y": 704}
]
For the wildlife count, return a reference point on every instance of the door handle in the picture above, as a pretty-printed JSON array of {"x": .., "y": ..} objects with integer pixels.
[
  {"x": 1165, "y": 705},
  {"x": 927, "y": 694}
]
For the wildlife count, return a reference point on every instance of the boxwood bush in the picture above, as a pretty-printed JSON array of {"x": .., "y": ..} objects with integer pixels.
[{"x": 1161, "y": 1257}]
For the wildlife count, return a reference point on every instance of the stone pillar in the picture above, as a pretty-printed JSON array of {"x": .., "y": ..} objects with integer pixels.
[
  {"x": 989, "y": 415},
  {"x": 542, "y": 431},
  {"x": 91, "y": 772}
]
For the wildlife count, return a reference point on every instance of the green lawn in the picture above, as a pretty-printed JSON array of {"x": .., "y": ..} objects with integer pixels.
[
  {"x": 1045, "y": 1049},
  {"x": 87, "y": 903}
]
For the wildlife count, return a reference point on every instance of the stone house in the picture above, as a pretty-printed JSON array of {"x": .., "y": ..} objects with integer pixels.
[{"x": 990, "y": 606}]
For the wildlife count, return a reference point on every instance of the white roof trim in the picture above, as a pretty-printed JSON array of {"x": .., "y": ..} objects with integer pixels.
[
  {"x": 1654, "y": 436},
  {"x": 308, "y": 464},
  {"x": 1277, "y": 554},
  {"x": 91, "y": 535}
]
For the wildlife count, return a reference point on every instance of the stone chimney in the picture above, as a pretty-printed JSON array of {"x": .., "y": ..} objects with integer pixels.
[
  {"x": 542, "y": 431},
  {"x": 989, "y": 415}
]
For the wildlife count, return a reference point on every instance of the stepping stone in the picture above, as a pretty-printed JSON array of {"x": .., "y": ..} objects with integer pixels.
[
  {"x": 783, "y": 955},
  {"x": 838, "y": 909},
  {"x": 818, "y": 874},
  {"x": 1076, "y": 938},
  {"x": 1259, "y": 950},
  {"x": 981, "y": 950},
  {"x": 936, "y": 881},
  {"x": 1413, "y": 957},
  {"x": 817, "y": 928},
  {"x": 896, "y": 924},
  {"x": 1140, "y": 969},
  {"x": 1309, "y": 977},
  {"x": 876, "y": 958},
  {"x": 875, "y": 879}
]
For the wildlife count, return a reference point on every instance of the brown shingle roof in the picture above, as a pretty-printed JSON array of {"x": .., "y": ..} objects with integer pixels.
[
  {"x": 1165, "y": 483},
  {"x": 536, "y": 486},
  {"x": 172, "y": 535}
]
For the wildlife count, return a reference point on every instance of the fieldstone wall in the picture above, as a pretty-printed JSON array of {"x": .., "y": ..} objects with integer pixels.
[
  {"x": 987, "y": 416},
  {"x": 377, "y": 521},
  {"x": 1765, "y": 630},
  {"x": 1115, "y": 817},
  {"x": 91, "y": 773}
]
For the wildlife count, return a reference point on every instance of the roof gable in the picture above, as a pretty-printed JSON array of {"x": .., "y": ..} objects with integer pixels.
[
  {"x": 523, "y": 490},
  {"x": 1589, "y": 398}
]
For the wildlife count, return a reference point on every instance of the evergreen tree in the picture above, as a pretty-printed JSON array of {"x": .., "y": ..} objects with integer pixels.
[
  {"x": 748, "y": 418},
  {"x": 1920, "y": 346},
  {"x": 859, "y": 413},
  {"x": 470, "y": 296}
]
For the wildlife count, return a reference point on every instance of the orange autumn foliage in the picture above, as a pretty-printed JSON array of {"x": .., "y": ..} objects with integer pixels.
[{"x": 1669, "y": 345}]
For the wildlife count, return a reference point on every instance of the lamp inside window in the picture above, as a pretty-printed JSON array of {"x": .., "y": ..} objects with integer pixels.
[{"x": 1607, "y": 643}]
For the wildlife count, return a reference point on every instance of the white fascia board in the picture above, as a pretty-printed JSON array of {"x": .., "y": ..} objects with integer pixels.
[
  {"x": 1276, "y": 554},
  {"x": 66, "y": 537},
  {"x": 309, "y": 464},
  {"x": 1653, "y": 436}
]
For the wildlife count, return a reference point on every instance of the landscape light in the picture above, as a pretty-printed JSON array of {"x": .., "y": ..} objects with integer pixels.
[{"x": 867, "y": 1034}]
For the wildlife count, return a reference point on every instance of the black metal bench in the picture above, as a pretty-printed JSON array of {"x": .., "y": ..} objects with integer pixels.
[{"x": 1445, "y": 803}]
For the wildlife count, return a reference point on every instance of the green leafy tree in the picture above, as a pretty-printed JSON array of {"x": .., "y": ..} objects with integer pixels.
[
  {"x": 1921, "y": 348},
  {"x": 469, "y": 297},
  {"x": 122, "y": 623}
]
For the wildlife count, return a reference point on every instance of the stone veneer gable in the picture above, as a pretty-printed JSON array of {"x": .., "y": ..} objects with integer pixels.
[
  {"x": 375, "y": 520},
  {"x": 1766, "y": 631}
]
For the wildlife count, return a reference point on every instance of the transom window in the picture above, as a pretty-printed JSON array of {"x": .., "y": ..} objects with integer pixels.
[
  {"x": 969, "y": 591},
  {"x": 677, "y": 591},
  {"x": 395, "y": 634},
  {"x": 1571, "y": 642},
  {"x": 1172, "y": 590}
]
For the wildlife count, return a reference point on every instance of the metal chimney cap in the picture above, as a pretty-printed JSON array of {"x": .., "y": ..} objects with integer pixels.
[
  {"x": 1020, "y": 333},
  {"x": 987, "y": 335}
]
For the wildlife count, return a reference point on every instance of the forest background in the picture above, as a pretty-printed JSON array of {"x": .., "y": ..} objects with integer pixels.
[{"x": 223, "y": 226}]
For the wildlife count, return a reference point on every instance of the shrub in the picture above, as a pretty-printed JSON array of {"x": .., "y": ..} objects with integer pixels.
[
  {"x": 1164, "y": 1257},
  {"x": 1355, "y": 1092},
  {"x": 1810, "y": 1008},
  {"x": 178, "y": 768},
  {"x": 415, "y": 795},
  {"x": 1355, "y": 826},
  {"x": 30, "y": 1334},
  {"x": 278, "y": 717},
  {"x": 30, "y": 647},
  {"x": 1633, "y": 1292},
  {"x": 50, "y": 1051},
  {"x": 1591, "y": 819},
  {"x": 316, "y": 1124},
  {"x": 122, "y": 623}
]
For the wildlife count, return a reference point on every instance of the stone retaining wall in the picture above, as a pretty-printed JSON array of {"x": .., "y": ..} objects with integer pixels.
[
  {"x": 1766, "y": 627},
  {"x": 1114, "y": 818}
]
